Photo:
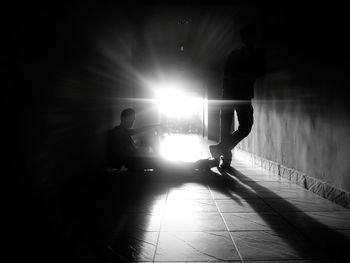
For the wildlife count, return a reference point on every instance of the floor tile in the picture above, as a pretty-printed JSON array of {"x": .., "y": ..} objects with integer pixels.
[
  {"x": 248, "y": 205},
  {"x": 154, "y": 196},
  {"x": 279, "y": 185},
  {"x": 134, "y": 246},
  {"x": 230, "y": 261},
  {"x": 299, "y": 204},
  {"x": 254, "y": 221},
  {"x": 260, "y": 178},
  {"x": 334, "y": 244},
  {"x": 193, "y": 186},
  {"x": 192, "y": 221},
  {"x": 147, "y": 190},
  {"x": 284, "y": 193},
  {"x": 248, "y": 170},
  {"x": 195, "y": 246},
  {"x": 183, "y": 205},
  {"x": 155, "y": 206},
  {"x": 286, "y": 261},
  {"x": 256, "y": 175},
  {"x": 332, "y": 220},
  {"x": 328, "y": 237},
  {"x": 141, "y": 221},
  {"x": 345, "y": 233},
  {"x": 271, "y": 245},
  {"x": 229, "y": 193},
  {"x": 189, "y": 193}
]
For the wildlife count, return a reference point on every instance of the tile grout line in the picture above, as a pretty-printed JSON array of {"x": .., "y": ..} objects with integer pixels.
[
  {"x": 160, "y": 227},
  {"x": 222, "y": 217}
]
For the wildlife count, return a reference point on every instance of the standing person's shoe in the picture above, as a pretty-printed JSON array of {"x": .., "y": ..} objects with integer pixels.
[
  {"x": 206, "y": 164},
  {"x": 215, "y": 151},
  {"x": 225, "y": 163}
]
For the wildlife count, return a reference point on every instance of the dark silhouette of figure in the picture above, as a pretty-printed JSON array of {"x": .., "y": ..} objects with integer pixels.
[
  {"x": 242, "y": 68},
  {"x": 123, "y": 150}
]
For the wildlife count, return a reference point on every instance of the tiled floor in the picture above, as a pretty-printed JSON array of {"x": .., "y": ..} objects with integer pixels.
[{"x": 242, "y": 215}]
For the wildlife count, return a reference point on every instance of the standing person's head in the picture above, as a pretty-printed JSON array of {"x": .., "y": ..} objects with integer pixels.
[
  {"x": 248, "y": 35},
  {"x": 127, "y": 118}
]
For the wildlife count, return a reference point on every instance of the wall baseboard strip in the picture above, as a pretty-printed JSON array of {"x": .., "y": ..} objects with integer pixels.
[{"x": 310, "y": 183}]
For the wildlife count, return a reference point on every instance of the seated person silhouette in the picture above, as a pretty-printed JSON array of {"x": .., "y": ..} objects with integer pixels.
[{"x": 124, "y": 151}]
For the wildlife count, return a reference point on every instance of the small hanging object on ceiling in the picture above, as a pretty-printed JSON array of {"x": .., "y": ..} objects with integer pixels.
[
  {"x": 182, "y": 48},
  {"x": 183, "y": 21}
]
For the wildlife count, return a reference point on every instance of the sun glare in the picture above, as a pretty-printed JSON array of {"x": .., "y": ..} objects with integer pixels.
[{"x": 176, "y": 104}]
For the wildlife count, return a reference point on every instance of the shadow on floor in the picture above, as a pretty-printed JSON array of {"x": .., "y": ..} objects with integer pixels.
[
  {"x": 100, "y": 225},
  {"x": 323, "y": 243},
  {"x": 95, "y": 216}
]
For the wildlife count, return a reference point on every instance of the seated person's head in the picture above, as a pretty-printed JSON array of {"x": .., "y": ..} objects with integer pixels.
[{"x": 127, "y": 118}]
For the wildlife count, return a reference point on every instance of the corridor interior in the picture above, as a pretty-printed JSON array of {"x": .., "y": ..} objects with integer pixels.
[
  {"x": 244, "y": 214},
  {"x": 72, "y": 69}
]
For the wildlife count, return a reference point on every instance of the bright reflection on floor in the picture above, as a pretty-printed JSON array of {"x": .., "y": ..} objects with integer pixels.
[
  {"x": 157, "y": 207},
  {"x": 180, "y": 215},
  {"x": 184, "y": 147}
]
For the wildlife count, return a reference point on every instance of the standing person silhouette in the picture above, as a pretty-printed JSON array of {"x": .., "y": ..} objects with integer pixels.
[{"x": 242, "y": 68}]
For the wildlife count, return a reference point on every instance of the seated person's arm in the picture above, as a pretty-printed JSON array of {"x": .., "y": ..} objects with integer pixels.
[{"x": 143, "y": 129}]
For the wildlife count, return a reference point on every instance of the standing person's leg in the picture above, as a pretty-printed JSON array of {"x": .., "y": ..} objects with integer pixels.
[
  {"x": 226, "y": 119},
  {"x": 245, "y": 122},
  {"x": 226, "y": 116}
]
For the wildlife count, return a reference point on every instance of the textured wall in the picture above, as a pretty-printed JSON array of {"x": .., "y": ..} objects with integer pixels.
[
  {"x": 307, "y": 132},
  {"x": 301, "y": 106}
]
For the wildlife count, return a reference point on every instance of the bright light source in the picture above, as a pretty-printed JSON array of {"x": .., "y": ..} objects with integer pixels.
[{"x": 174, "y": 103}]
